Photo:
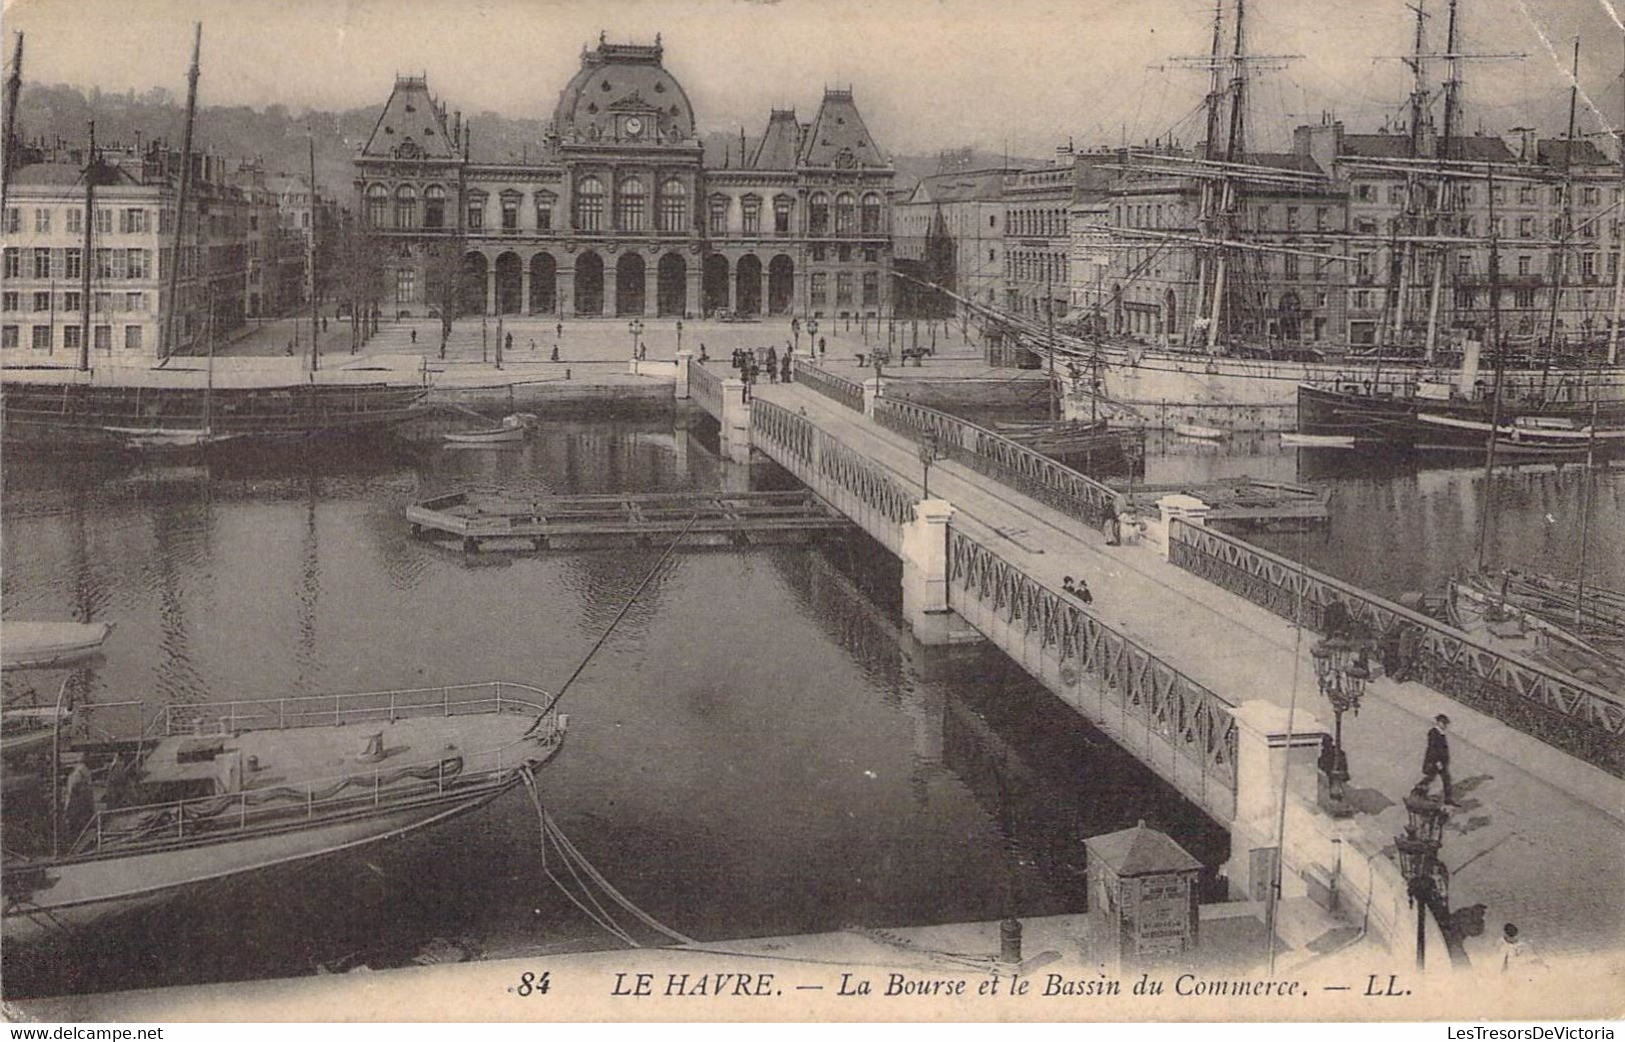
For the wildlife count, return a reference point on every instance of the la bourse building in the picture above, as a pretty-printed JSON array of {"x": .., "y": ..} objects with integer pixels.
[{"x": 619, "y": 214}]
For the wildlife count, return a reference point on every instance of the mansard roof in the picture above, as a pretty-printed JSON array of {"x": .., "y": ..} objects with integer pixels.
[
  {"x": 623, "y": 77},
  {"x": 780, "y": 142},
  {"x": 838, "y": 138},
  {"x": 412, "y": 125}
]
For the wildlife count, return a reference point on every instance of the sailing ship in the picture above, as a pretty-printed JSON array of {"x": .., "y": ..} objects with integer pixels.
[
  {"x": 175, "y": 406},
  {"x": 214, "y": 790}
]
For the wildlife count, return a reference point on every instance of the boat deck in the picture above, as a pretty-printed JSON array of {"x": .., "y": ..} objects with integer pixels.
[
  {"x": 1243, "y": 501},
  {"x": 495, "y": 521}
]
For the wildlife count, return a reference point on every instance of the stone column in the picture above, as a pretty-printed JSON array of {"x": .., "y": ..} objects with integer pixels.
[
  {"x": 524, "y": 288},
  {"x": 566, "y": 292},
  {"x": 1263, "y": 748},
  {"x": 874, "y": 387},
  {"x": 491, "y": 290},
  {"x": 685, "y": 358},
  {"x": 762, "y": 309},
  {"x": 925, "y": 571},
  {"x": 734, "y": 428},
  {"x": 798, "y": 296},
  {"x": 691, "y": 293},
  {"x": 612, "y": 278},
  {"x": 651, "y": 288}
]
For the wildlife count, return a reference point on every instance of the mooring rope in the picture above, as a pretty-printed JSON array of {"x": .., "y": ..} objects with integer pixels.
[{"x": 573, "y": 860}]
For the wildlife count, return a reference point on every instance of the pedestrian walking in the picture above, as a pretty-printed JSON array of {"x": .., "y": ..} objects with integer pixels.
[
  {"x": 558, "y": 330},
  {"x": 1436, "y": 760},
  {"x": 554, "y": 357},
  {"x": 1082, "y": 592},
  {"x": 744, "y": 381},
  {"x": 532, "y": 345},
  {"x": 324, "y": 323},
  {"x": 1516, "y": 956},
  {"x": 507, "y": 343},
  {"x": 784, "y": 369},
  {"x": 414, "y": 335},
  {"x": 703, "y": 356},
  {"x": 772, "y": 365},
  {"x": 822, "y": 346}
]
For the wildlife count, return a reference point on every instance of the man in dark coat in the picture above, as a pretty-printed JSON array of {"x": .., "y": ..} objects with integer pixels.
[{"x": 1436, "y": 760}]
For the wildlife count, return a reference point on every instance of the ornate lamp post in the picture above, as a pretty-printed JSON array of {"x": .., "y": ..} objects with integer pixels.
[
  {"x": 812, "y": 337},
  {"x": 635, "y": 327},
  {"x": 1427, "y": 881},
  {"x": 930, "y": 452},
  {"x": 1342, "y": 671}
]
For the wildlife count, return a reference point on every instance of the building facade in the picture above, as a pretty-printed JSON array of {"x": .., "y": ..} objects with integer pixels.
[
  {"x": 619, "y": 215},
  {"x": 950, "y": 232},
  {"x": 1038, "y": 260}
]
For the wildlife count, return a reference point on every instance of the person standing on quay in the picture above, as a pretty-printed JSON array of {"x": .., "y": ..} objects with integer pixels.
[
  {"x": 772, "y": 365},
  {"x": 1436, "y": 760}
]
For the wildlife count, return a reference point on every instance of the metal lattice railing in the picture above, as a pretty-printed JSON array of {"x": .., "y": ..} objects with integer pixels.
[
  {"x": 1007, "y": 462},
  {"x": 1193, "y": 719},
  {"x": 795, "y": 439},
  {"x": 847, "y": 392},
  {"x": 1564, "y": 712}
]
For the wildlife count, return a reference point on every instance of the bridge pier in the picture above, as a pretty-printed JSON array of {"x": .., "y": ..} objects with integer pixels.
[
  {"x": 873, "y": 388},
  {"x": 925, "y": 578},
  {"x": 1264, "y": 748},
  {"x": 733, "y": 426},
  {"x": 685, "y": 358}
]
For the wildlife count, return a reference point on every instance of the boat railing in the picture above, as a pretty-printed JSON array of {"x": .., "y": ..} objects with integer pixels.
[
  {"x": 354, "y": 707},
  {"x": 275, "y": 807}
]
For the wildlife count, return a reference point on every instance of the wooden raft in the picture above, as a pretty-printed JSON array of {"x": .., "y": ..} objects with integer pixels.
[{"x": 491, "y": 520}]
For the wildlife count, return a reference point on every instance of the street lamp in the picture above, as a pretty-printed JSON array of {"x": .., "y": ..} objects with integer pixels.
[
  {"x": 635, "y": 327},
  {"x": 1341, "y": 671},
  {"x": 930, "y": 452},
  {"x": 812, "y": 337},
  {"x": 1427, "y": 881},
  {"x": 679, "y": 336}
]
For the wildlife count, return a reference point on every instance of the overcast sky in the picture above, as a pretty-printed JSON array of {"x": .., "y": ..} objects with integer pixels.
[{"x": 1018, "y": 74}]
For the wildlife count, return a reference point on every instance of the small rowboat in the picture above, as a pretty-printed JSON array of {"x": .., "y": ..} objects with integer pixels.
[
  {"x": 1325, "y": 441},
  {"x": 1196, "y": 430},
  {"x": 512, "y": 428},
  {"x": 37, "y": 644}
]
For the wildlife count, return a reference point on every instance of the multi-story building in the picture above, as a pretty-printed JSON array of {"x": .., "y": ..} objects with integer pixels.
[
  {"x": 43, "y": 306},
  {"x": 1543, "y": 252},
  {"x": 618, "y": 213},
  {"x": 949, "y": 231},
  {"x": 1038, "y": 260}
]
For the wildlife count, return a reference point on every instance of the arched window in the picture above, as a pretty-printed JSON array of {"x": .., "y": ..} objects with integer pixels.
[
  {"x": 590, "y": 205},
  {"x": 871, "y": 214},
  {"x": 406, "y": 207},
  {"x": 377, "y": 205},
  {"x": 673, "y": 206},
  {"x": 631, "y": 205},
  {"x": 434, "y": 207},
  {"x": 818, "y": 214},
  {"x": 846, "y": 214}
]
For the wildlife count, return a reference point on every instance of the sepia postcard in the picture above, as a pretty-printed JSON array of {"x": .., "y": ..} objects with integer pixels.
[{"x": 813, "y": 510}]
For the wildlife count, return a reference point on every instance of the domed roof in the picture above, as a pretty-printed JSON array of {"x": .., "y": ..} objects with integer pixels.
[{"x": 617, "y": 82}]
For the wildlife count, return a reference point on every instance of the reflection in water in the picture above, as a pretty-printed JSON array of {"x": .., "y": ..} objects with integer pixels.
[{"x": 758, "y": 749}]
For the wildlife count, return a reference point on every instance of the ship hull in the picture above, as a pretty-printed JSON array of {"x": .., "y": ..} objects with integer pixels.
[{"x": 1397, "y": 421}]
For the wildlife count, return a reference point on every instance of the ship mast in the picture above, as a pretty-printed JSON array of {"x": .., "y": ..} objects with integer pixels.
[
  {"x": 1446, "y": 190},
  {"x": 1234, "y": 152},
  {"x": 1488, "y": 511},
  {"x": 88, "y": 263},
  {"x": 1619, "y": 237},
  {"x": 166, "y": 346},
  {"x": 8, "y": 145},
  {"x": 310, "y": 261},
  {"x": 1207, "y": 259},
  {"x": 1565, "y": 226},
  {"x": 1402, "y": 262}
]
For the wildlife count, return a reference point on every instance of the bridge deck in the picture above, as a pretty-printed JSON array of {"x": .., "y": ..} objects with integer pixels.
[{"x": 1538, "y": 837}]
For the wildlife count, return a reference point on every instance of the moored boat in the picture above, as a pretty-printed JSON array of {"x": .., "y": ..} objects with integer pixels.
[
  {"x": 217, "y": 789},
  {"x": 512, "y": 428},
  {"x": 1322, "y": 441},
  {"x": 33, "y": 643},
  {"x": 1524, "y": 436}
]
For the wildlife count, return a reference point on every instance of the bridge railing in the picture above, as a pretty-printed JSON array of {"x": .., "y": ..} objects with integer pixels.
[
  {"x": 1562, "y": 711},
  {"x": 847, "y": 392},
  {"x": 1154, "y": 695},
  {"x": 705, "y": 387},
  {"x": 1007, "y": 462},
  {"x": 795, "y": 440}
]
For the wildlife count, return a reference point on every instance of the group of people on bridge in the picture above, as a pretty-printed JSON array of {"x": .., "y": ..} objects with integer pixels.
[{"x": 753, "y": 363}]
